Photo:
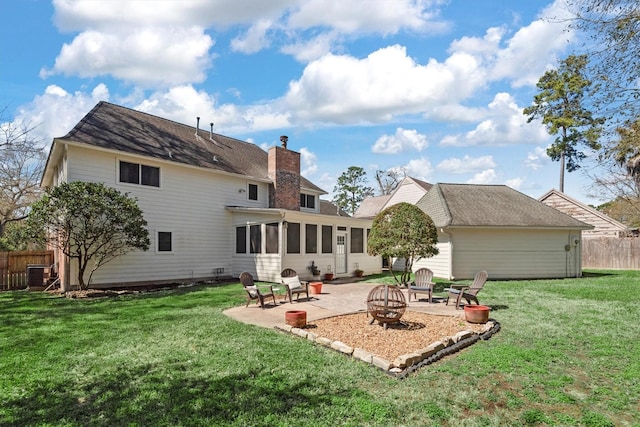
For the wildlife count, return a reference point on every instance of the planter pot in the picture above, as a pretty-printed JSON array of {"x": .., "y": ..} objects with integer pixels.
[
  {"x": 359, "y": 273},
  {"x": 476, "y": 313},
  {"x": 315, "y": 287},
  {"x": 296, "y": 318},
  {"x": 328, "y": 276}
]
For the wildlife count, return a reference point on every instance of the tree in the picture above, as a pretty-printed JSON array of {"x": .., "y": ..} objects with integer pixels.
[
  {"x": 403, "y": 231},
  {"x": 388, "y": 180},
  {"x": 560, "y": 103},
  {"x": 90, "y": 223},
  {"x": 22, "y": 161},
  {"x": 612, "y": 28},
  {"x": 351, "y": 189}
]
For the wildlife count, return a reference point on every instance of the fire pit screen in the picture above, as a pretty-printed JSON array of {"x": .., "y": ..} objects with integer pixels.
[{"x": 386, "y": 304}]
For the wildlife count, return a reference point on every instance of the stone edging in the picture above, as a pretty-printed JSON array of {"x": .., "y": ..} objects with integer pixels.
[{"x": 405, "y": 364}]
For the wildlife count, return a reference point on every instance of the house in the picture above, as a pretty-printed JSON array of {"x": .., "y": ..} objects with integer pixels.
[
  {"x": 498, "y": 229},
  {"x": 603, "y": 225},
  {"x": 215, "y": 206},
  {"x": 409, "y": 190}
]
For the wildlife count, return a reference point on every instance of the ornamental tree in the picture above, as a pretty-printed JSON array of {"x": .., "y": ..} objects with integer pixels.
[
  {"x": 90, "y": 223},
  {"x": 403, "y": 231}
]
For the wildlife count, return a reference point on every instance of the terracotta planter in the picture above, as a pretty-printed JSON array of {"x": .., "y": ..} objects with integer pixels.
[
  {"x": 315, "y": 287},
  {"x": 296, "y": 318},
  {"x": 328, "y": 276},
  {"x": 476, "y": 313}
]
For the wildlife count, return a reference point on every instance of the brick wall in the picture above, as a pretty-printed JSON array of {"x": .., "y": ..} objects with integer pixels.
[{"x": 284, "y": 170}]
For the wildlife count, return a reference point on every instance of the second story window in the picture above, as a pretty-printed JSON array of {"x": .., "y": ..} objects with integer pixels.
[
  {"x": 253, "y": 192},
  {"x": 307, "y": 201},
  {"x": 135, "y": 173}
]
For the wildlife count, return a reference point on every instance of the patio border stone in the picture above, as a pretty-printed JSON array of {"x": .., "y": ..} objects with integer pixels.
[{"x": 404, "y": 364}]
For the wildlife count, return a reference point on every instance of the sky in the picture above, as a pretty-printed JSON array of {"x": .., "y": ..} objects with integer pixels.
[{"x": 432, "y": 87}]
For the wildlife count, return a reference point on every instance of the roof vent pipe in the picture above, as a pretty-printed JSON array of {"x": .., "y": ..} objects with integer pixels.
[
  {"x": 197, "y": 124},
  {"x": 211, "y": 131}
]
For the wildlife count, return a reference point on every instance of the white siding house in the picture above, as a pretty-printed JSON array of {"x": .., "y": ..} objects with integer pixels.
[
  {"x": 212, "y": 192},
  {"x": 500, "y": 230}
]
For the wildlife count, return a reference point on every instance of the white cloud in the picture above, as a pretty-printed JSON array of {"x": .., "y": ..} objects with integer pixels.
[
  {"x": 312, "y": 49},
  {"x": 537, "y": 159},
  {"x": 515, "y": 183},
  {"x": 402, "y": 140},
  {"x": 465, "y": 165},
  {"x": 504, "y": 125},
  {"x": 419, "y": 168},
  {"x": 57, "y": 111},
  {"x": 367, "y": 16},
  {"x": 345, "y": 89},
  {"x": 255, "y": 39},
  {"x": 137, "y": 55},
  {"x": 71, "y": 15},
  {"x": 488, "y": 176},
  {"x": 309, "y": 162}
]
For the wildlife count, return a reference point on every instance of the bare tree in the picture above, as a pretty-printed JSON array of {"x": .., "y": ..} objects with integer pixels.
[
  {"x": 388, "y": 180},
  {"x": 22, "y": 161}
]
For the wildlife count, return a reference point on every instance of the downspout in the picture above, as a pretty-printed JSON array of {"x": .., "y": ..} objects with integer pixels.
[{"x": 283, "y": 240}]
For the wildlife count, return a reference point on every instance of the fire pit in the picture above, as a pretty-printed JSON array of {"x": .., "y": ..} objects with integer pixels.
[{"x": 386, "y": 304}]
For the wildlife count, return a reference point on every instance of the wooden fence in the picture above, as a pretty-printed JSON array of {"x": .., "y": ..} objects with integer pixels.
[
  {"x": 13, "y": 267},
  {"x": 619, "y": 253}
]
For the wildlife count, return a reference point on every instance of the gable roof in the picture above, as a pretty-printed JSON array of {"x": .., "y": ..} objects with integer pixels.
[
  {"x": 370, "y": 206},
  {"x": 328, "y": 208},
  {"x": 579, "y": 210},
  {"x": 470, "y": 205},
  {"x": 122, "y": 129}
]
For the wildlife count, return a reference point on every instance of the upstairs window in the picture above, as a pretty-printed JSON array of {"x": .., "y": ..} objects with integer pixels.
[
  {"x": 253, "y": 192},
  {"x": 307, "y": 201},
  {"x": 135, "y": 173}
]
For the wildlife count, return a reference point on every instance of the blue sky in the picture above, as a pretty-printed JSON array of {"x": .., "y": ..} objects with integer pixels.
[{"x": 436, "y": 88}]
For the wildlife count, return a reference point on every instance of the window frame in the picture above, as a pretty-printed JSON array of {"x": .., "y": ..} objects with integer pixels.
[
  {"x": 251, "y": 190},
  {"x": 145, "y": 175},
  {"x": 159, "y": 249}
]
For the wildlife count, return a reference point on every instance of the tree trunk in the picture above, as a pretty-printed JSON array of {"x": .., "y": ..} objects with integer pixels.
[{"x": 562, "y": 172}]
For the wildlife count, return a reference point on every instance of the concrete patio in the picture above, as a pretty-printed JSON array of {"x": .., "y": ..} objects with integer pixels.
[{"x": 335, "y": 299}]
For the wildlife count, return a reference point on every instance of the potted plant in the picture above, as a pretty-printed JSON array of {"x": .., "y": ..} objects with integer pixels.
[
  {"x": 329, "y": 274},
  {"x": 315, "y": 271},
  {"x": 359, "y": 272}
]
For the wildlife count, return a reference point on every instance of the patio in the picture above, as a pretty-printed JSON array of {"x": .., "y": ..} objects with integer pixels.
[{"x": 335, "y": 299}]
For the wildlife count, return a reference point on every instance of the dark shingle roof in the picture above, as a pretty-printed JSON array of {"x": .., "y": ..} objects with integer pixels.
[
  {"x": 370, "y": 206},
  {"x": 461, "y": 205},
  {"x": 119, "y": 128},
  {"x": 328, "y": 208}
]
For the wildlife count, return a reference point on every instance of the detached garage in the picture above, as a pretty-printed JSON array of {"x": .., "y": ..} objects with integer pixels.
[{"x": 500, "y": 230}]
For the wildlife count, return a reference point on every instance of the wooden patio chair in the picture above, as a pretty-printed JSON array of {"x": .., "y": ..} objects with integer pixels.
[
  {"x": 293, "y": 284},
  {"x": 422, "y": 284},
  {"x": 253, "y": 292},
  {"x": 469, "y": 293}
]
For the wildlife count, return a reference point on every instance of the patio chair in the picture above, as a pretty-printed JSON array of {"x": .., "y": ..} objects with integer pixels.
[
  {"x": 293, "y": 284},
  {"x": 422, "y": 284},
  {"x": 469, "y": 293},
  {"x": 253, "y": 292}
]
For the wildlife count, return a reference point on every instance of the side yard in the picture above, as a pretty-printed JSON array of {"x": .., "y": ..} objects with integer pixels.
[{"x": 566, "y": 355}]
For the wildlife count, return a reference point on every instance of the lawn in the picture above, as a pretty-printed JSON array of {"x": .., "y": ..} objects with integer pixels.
[{"x": 567, "y": 354}]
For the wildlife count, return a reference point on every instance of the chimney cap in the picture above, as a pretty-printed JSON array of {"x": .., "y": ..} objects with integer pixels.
[{"x": 284, "y": 139}]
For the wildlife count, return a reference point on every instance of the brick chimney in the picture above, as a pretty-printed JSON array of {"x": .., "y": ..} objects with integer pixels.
[{"x": 284, "y": 171}]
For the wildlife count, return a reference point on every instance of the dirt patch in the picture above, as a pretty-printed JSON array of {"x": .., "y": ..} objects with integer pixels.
[{"x": 415, "y": 331}]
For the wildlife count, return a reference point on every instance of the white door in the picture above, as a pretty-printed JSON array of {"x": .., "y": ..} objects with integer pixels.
[{"x": 341, "y": 252}]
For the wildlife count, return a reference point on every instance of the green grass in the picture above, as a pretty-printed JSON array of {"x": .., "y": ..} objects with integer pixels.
[{"x": 567, "y": 354}]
